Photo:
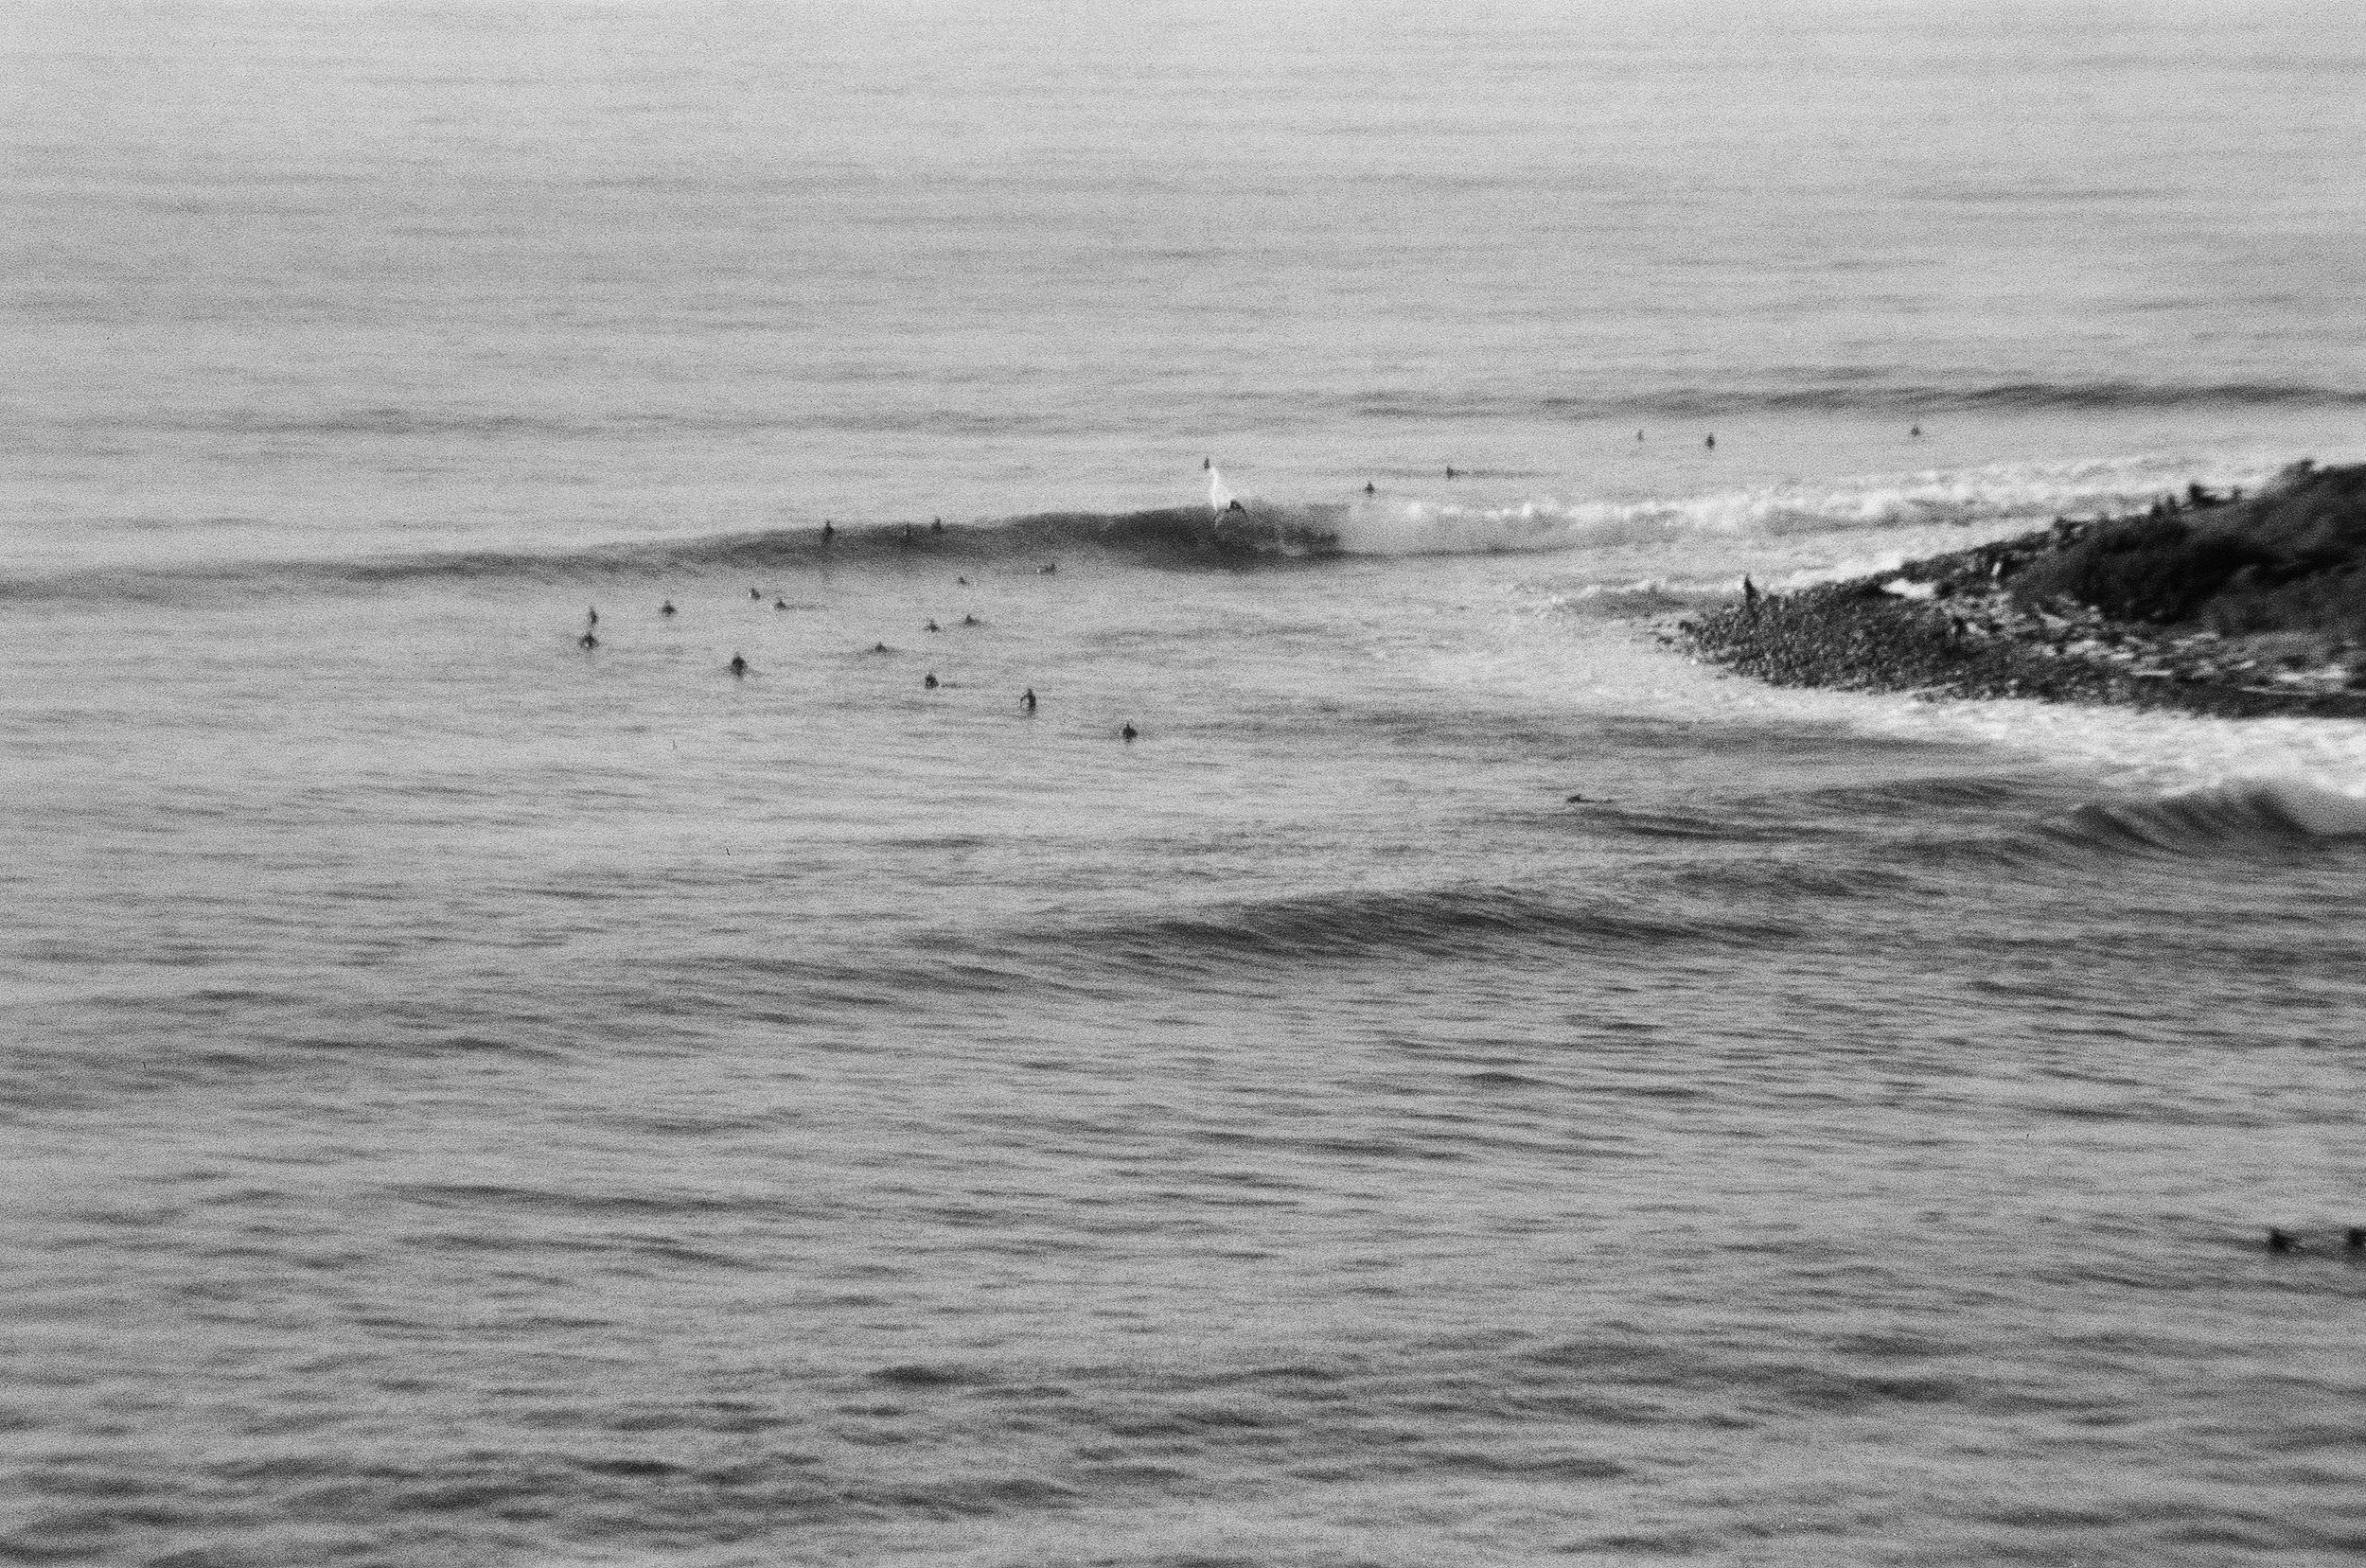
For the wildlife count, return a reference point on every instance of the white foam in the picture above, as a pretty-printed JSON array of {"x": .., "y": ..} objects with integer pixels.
[
  {"x": 1639, "y": 558},
  {"x": 1993, "y": 494},
  {"x": 2315, "y": 767},
  {"x": 1218, "y": 493},
  {"x": 2168, "y": 752}
]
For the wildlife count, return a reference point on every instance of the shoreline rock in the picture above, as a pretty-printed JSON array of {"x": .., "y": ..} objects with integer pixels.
[{"x": 1985, "y": 622}]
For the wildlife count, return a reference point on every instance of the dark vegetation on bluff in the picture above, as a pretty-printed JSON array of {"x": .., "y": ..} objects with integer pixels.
[
  {"x": 2215, "y": 604},
  {"x": 2292, "y": 559}
]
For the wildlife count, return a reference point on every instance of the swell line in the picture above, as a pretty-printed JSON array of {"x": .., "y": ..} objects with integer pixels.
[{"x": 1867, "y": 397}]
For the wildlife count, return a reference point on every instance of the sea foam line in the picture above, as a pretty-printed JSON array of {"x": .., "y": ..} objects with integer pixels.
[{"x": 2000, "y": 493}]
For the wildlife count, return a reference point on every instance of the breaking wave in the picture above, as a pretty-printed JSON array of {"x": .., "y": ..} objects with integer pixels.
[
  {"x": 1999, "y": 494},
  {"x": 1265, "y": 533}
]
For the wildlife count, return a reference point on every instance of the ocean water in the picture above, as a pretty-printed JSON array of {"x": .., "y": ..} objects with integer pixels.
[{"x": 1461, "y": 1084}]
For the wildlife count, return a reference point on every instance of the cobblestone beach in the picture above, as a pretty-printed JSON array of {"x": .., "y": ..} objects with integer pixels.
[{"x": 1968, "y": 625}]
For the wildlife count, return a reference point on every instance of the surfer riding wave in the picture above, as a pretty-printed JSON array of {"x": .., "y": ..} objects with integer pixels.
[{"x": 1220, "y": 495}]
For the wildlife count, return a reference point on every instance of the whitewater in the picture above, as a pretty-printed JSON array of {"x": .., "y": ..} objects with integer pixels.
[{"x": 1383, "y": 1061}]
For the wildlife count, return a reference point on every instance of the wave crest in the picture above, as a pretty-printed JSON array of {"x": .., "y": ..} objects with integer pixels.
[
  {"x": 1171, "y": 537},
  {"x": 2245, "y": 818},
  {"x": 1445, "y": 923}
]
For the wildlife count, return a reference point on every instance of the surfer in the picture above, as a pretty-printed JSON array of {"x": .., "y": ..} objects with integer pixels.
[
  {"x": 2279, "y": 1242},
  {"x": 591, "y": 616},
  {"x": 1916, "y": 433},
  {"x": 1234, "y": 505},
  {"x": 739, "y": 665},
  {"x": 666, "y": 609},
  {"x": 930, "y": 680},
  {"x": 936, "y": 525},
  {"x": 754, "y": 594},
  {"x": 780, "y": 603},
  {"x": 933, "y": 626},
  {"x": 1710, "y": 442},
  {"x": 1047, "y": 571},
  {"x": 828, "y": 532},
  {"x": 1129, "y": 730},
  {"x": 971, "y": 621},
  {"x": 587, "y": 640},
  {"x": 1027, "y": 700},
  {"x": 1370, "y": 489},
  {"x": 1449, "y": 470}
]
